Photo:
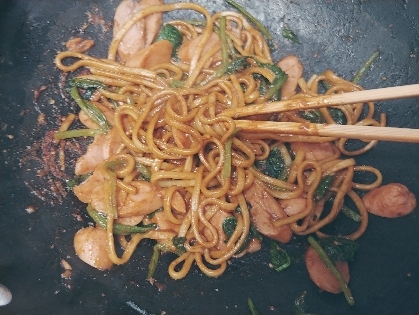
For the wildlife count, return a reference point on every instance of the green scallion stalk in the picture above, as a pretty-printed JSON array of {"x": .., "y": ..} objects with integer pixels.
[
  {"x": 252, "y": 19},
  {"x": 118, "y": 229},
  {"x": 329, "y": 264},
  {"x": 91, "y": 110},
  {"x": 365, "y": 67},
  {"x": 59, "y": 135},
  {"x": 152, "y": 266}
]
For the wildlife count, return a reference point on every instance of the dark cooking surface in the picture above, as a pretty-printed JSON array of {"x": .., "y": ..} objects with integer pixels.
[{"x": 339, "y": 35}]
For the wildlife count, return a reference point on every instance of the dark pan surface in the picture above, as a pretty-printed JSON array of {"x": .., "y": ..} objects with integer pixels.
[{"x": 339, "y": 35}]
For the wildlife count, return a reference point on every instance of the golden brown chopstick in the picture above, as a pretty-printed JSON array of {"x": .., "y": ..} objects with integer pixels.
[
  {"x": 326, "y": 130},
  {"x": 381, "y": 94}
]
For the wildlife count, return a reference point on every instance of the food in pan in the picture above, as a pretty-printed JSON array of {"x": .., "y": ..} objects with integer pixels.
[{"x": 166, "y": 164}]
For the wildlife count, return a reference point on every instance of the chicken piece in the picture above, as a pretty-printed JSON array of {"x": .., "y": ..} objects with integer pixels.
[
  {"x": 79, "y": 45},
  {"x": 142, "y": 33},
  {"x": 158, "y": 53},
  {"x": 134, "y": 220},
  {"x": 264, "y": 211},
  {"x": 390, "y": 201},
  {"x": 160, "y": 218},
  {"x": 217, "y": 222},
  {"x": 98, "y": 151},
  {"x": 90, "y": 244},
  {"x": 321, "y": 275},
  {"x": 314, "y": 151},
  {"x": 292, "y": 66},
  {"x": 108, "y": 112},
  {"x": 146, "y": 199},
  {"x": 188, "y": 49},
  {"x": 293, "y": 206}
]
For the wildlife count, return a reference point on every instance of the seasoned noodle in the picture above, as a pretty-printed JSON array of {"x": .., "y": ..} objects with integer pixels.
[{"x": 168, "y": 121}]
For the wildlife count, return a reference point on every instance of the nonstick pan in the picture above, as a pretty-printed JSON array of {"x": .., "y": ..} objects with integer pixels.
[{"x": 38, "y": 216}]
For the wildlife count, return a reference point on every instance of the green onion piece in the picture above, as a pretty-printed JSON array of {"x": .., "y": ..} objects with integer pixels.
[
  {"x": 227, "y": 163},
  {"x": 299, "y": 307},
  {"x": 350, "y": 213},
  {"x": 59, "y": 135},
  {"x": 329, "y": 264},
  {"x": 323, "y": 187},
  {"x": 112, "y": 196},
  {"x": 118, "y": 229},
  {"x": 145, "y": 173},
  {"x": 252, "y": 19},
  {"x": 152, "y": 266},
  {"x": 91, "y": 110},
  {"x": 365, "y": 67},
  {"x": 279, "y": 257},
  {"x": 252, "y": 307},
  {"x": 86, "y": 84},
  {"x": 289, "y": 34}
]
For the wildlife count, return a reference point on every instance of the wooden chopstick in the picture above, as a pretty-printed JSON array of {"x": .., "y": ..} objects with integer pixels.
[
  {"x": 333, "y": 130},
  {"x": 381, "y": 94}
]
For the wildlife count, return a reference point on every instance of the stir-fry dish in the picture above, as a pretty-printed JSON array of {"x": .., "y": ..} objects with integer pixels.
[{"x": 165, "y": 163}]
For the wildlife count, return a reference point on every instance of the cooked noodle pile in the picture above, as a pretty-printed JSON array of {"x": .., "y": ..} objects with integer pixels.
[{"x": 166, "y": 120}]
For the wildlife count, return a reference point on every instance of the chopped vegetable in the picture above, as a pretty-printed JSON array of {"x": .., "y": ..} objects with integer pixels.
[
  {"x": 152, "y": 266},
  {"x": 229, "y": 225},
  {"x": 145, "y": 173},
  {"x": 365, "y": 67},
  {"x": 179, "y": 244},
  {"x": 252, "y": 307},
  {"x": 77, "y": 180},
  {"x": 323, "y": 187},
  {"x": 59, "y": 135},
  {"x": 91, "y": 110},
  {"x": 338, "y": 248},
  {"x": 329, "y": 264},
  {"x": 86, "y": 83},
  {"x": 119, "y": 229},
  {"x": 227, "y": 163},
  {"x": 173, "y": 35},
  {"x": 350, "y": 213},
  {"x": 279, "y": 257},
  {"x": 237, "y": 65},
  {"x": 272, "y": 90},
  {"x": 289, "y": 34},
  {"x": 259, "y": 26},
  {"x": 274, "y": 166}
]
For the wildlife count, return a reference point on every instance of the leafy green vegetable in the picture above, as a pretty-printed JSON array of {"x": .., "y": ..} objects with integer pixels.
[
  {"x": 279, "y": 257},
  {"x": 338, "y": 248},
  {"x": 119, "y": 229},
  {"x": 337, "y": 115},
  {"x": 237, "y": 65},
  {"x": 274, "y": 166},
  {"x": 329, "y": 264},
  {"x": 91, "y": 110},
  {"x": 173, "y": 35},
  {"x": 323, "y": 187},
  {"x": 315, "y": 116},
  {"x": 252, "y": 20},
  {"x": 178, "y": 243},
  {"x": 289, "y": 34},
  {"x": 77, "y": 180},
  {"x": 252, "y": 307},
  {"x": 271, "y": 90},
  {"x": 229, "y": 225},
  {"x": 300, "y": 307}
]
